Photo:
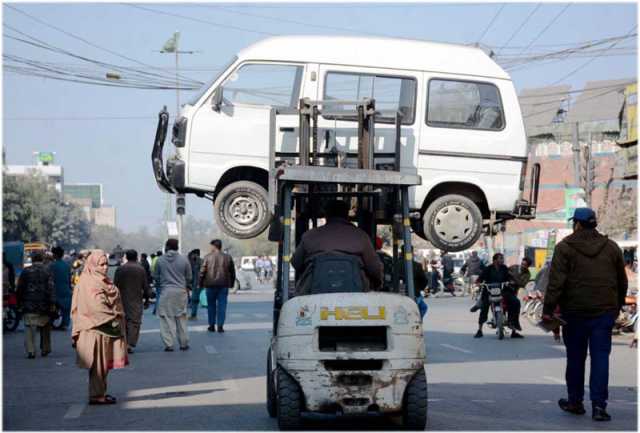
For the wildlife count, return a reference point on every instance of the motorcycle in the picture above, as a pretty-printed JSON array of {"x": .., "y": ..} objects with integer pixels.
[
  {"x": 10, "y": 314},
  {"x": 498, "y": 307}
]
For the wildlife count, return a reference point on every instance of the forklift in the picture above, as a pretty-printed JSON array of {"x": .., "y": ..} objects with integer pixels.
[{"x": 338, "y": 349}]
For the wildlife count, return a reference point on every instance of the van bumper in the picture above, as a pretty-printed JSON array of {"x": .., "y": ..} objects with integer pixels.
[{"x": 157, "y": 162}]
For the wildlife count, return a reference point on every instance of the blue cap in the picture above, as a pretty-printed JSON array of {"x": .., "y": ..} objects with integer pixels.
[{"x": 584, "y": 214}]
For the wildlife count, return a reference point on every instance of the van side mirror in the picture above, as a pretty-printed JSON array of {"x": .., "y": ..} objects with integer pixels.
[{"x": 216, "y": 101}]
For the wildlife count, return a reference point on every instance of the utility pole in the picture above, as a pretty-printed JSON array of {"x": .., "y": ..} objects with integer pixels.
[
  {"x": 172, "y": 46},
  {"x": 576, "y": 154},
  {"x": 589, "y": 172}
]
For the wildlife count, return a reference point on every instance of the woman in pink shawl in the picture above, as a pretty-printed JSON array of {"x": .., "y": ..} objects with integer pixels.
[{"x": 98, "y": 326}]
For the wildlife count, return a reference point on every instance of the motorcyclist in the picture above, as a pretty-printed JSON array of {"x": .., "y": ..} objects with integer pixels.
[{"x": 498, "y": 273}]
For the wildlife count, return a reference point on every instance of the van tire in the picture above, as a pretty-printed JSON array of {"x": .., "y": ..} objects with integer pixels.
[
  {"x": 289, "y": 402},
  {"x": 241, "y": 209},
  {"x": 452, "y": 223},
  {"x": 271, "y": 389},
  {"x": 414, "y": 406}
]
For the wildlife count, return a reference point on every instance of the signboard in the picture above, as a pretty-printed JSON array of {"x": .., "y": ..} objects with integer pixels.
[
  {"x": 45, "y": 157},
  {"x": 172, "y": 229},
  {"x": 573, "y": 198}
]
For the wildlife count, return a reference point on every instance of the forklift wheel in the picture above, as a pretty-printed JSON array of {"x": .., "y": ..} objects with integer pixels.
[
  {"x": 271, "y": 389},
  {"x": 289, "y": 402},
  {"x": 414, "y": 409}
]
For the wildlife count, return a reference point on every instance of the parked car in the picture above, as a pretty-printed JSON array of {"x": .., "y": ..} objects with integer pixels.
[{"x": 462, "y": 129}]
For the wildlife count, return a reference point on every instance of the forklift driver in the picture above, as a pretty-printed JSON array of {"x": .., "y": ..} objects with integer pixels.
[{"x": 337, "y": 236}]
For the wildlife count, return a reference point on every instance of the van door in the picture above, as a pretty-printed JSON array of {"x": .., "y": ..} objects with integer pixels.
[
  {"x": 238, "y": 134},
  {"x": 392, "y": 91}
]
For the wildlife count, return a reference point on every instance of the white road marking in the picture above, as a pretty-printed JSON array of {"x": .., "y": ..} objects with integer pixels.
[
  {"x": 237, "y": 315},
  {"x": 483, "y": 401},
  {"x": 459, "y": 349},
  {"x": 434, "y": 399},
  {"x": 554, "y": 379},
  {"x": 545, "y": 401},
  {"x": 228, "y": 327},
  {"x": 260, "y": 315},
  {"x": 75, "y": 411},
  {"x": 210, "y": 349}
]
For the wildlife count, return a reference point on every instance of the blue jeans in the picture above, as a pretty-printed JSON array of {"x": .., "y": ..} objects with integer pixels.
[
  {"x": 65, "y": 305},
  {"x": 595, "y": 334},
  {"x": 195, "y": 301},
  {"x": 217, "y": 303}
]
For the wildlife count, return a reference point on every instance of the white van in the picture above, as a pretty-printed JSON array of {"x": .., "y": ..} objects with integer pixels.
[{"x": 462, "y": 129}]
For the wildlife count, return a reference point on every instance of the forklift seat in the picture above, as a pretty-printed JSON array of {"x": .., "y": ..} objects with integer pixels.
[{"x": 336, "y": 273}]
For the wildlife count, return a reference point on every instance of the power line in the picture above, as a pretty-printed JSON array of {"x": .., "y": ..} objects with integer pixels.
[
  {"x": 544, "y": 30},
  {"x": 81, "y": 39},
  {"x": 575, "y": 91},
  {"x": 199, "y": 20},
  {"x": 491, "y": 22},
  {"x": 521, "y": 26},
  {"x": 290, "y": 21},
  {"x": 134, "y": 72},
  {"x": 586, "y": 99},
  {"x": 590, "y": 60}
]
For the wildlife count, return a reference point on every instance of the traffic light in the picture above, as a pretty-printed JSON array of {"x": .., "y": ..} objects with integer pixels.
[{"x": 180, "y": 204}]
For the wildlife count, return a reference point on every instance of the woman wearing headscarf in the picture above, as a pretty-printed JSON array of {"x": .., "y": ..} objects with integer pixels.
[{"x": 98, "y": 326}]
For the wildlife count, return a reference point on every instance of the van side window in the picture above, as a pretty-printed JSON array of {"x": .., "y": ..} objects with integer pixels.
[
  {"x": 464, "y": 104},
  {"x": 391, "y": 94},
  {"x": 264, "y": 84}
]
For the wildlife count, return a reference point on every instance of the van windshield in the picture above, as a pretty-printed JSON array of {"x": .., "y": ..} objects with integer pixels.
[{"x": 209, "y": 83}]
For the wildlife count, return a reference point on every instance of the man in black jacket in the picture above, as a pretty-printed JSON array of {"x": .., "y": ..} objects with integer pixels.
[
  {"x": 37, "y": 299},
  {"x": 588, "y": 281},
  {"x": 498, "y": 273}
]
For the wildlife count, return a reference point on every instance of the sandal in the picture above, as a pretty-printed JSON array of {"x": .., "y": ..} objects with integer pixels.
[{"x": 108, "y": 399}]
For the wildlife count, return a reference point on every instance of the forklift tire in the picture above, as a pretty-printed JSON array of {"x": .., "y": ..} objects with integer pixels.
[
  {"x": 242, "y": 210},
  {"x": 271, "y": 389},
  {"x": 289, "y": 402},
  {"x": 452, "y": 223},
  {"x": 414, "y": 407}
]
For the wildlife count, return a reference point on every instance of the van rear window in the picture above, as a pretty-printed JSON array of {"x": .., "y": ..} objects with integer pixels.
[
  {"x": 464, "y": 104},
  {"x": 392, "y": 94}
]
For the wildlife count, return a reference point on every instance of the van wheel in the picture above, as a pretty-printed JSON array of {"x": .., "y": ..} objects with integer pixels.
[
  {"x": 414, "y": 407},
  {"x": 242, "y": 210},
  {"x": 271, "y": 389},
  {"x": 289, "y": 402},
  {"x": 452, "y": 223}
]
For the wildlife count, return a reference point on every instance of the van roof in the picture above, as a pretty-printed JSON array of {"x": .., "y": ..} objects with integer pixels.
[{"x": 376, "y": 52}]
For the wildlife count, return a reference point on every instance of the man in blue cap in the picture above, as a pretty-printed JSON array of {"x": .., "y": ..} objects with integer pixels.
[{"x": 588, "y": 281}]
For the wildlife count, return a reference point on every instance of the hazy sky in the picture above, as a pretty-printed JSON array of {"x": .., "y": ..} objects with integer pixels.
[{"x": 105, "y": 135}]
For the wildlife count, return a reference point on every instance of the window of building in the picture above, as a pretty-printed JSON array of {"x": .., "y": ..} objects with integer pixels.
[
  {"x": 391, "y": 94},
  {"x": 264, "y": 84},
  {"x": 464, "y": 104}
]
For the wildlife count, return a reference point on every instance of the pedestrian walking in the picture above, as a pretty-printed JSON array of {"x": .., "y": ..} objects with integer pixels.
[
  {"x": 37, "y": 298},
  {"x": 61, "y": 272},
  {"x": 98, "y": 326},
  {"x": 144, "y": 262},
  {"x": 196, "y": 262},
  {"x": 131, "y": 281},
  {"x": 156, "y": 286},
  {"x": 588, "y": 281},
  {"x": 217, "y": 274},
  {"x": 472, "y": 269},
  {"x": 113, "y": 264},
  {"x": 173, "y": 280}
]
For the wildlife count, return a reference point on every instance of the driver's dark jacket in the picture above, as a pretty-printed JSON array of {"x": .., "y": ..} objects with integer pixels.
[
  {"x": 36, "y": 290},
  {"x": 491, "y": 275},
  {"x": 337, "y": 236}
]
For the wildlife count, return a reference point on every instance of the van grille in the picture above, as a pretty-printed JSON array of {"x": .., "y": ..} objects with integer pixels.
[{"x": 352, "y": 338}]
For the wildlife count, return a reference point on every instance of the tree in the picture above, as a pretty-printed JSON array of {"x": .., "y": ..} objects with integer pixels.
[{"x": 34, "y": 211}]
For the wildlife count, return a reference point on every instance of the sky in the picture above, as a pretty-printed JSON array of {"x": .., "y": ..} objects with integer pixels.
[{"x": 105, "y": 135}]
